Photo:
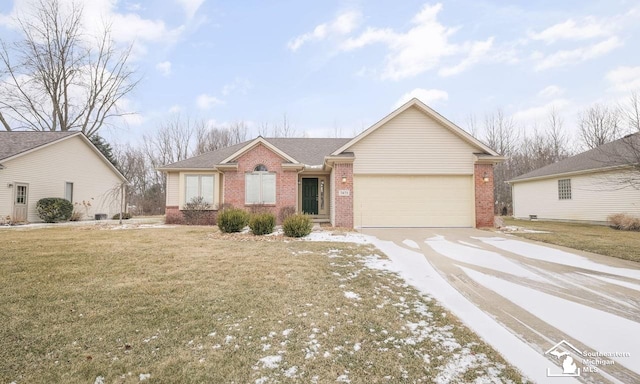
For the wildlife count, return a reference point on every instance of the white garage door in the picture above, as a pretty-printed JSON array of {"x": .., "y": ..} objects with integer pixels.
[{"x": 413, "y": 201}]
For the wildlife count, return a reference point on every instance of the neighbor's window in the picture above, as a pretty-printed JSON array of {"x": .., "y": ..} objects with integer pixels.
[
  {"x": 199, "y": 186},
  {"x": 68, "y": 191},
  {"x": 564, "y": 189},
  {"x": 260, "y": 186}
]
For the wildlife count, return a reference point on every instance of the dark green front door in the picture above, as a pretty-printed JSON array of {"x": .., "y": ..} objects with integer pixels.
[{"x": 310, "y": 196}]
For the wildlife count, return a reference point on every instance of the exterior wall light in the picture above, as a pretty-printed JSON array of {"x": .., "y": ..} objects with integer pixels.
[
  {"x": 344, "y": 178},
  {"x": 485, "y": 177}
]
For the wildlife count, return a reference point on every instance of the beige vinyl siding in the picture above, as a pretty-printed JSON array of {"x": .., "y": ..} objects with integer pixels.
[
  {"x": 173, "y": 188},
  {"x": 48, "y": 169},
  {"x": 413, "y": 143},
  {"x": 413, "y": 201},
  {"x": 593, "y": 198}
]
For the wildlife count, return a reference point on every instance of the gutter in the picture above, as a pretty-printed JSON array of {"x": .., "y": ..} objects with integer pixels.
[{"x": 570, "y": 173}]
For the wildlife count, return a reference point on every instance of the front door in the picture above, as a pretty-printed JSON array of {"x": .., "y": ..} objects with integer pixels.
[
  {"x": 310, "y": 196},
  {"x": 20, "y": 203}
]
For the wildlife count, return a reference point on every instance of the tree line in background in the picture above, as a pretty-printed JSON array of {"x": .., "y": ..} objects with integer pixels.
[{"x": 58, "y": 77}]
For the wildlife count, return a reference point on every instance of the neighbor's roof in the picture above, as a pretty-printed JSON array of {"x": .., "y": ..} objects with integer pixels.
[
  {"x": 308, "y": 151},
  {"x": 14, "y": 143},
  {"x": 624, "y": 151}
]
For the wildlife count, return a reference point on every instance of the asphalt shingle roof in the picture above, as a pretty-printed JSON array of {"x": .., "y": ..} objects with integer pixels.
[
  {"x": 616, "y": 153},
  {"x": 14, "y": 143},
  {"x": 309, "y": 151}
]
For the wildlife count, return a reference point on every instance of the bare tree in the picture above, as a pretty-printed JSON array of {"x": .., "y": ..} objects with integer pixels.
[
  {"x": 210, "y": 139},
  {"x": 631, "y": 111},
  {"x": 599, "y": 124},
  {"x": 55, "y": 79}
]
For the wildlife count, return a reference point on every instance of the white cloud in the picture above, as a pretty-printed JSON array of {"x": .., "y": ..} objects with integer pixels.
[
  {"x": 125, "y": 26},
  {"x": 588, "y": 28},
  {"x": 343, "y": 24},
  {"x": 536, "y": 114},
  {"x": 568, "y": 57},
  {"x": 427, "y": 96},
  {"x": 422, "y": 47},
  {"x": 624, "y": 79},
  {"x": 190, "y": 6},
  {"x": 205, "y": 101},
  {"x": 164, "y": 68},
  {"x": 551, "y": 91},
  {"x": 477, "y": 51},
  {"x": 239, "y": 85}
]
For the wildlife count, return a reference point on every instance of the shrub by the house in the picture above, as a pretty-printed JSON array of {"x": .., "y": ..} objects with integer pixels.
[
  {"x": 624, "y": 222},
  {"x": 198, "y": 212},
  {"x": 125, "y": 216},
  {"x": 54, "y": 209},
  {"x": 298, "y": 225},
  {"x": 262, "y": 223},
  {"x": 232, "y": 220},
  {"x": 285, "y": 212}
]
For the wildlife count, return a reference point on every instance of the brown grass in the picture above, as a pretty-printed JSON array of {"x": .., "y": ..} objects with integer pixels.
[
  {"x": 591, "y": 238},
  {"x": 181, "y": 305}
]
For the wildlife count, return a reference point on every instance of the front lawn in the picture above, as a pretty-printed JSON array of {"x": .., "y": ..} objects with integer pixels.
[
  {"x": 592, "y": 238},
  {"x": 169, "y": 305}
]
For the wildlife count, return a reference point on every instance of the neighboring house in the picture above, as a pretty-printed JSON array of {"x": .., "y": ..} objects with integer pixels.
[
  {"x": 34, "y": 165},
  {"x": 413, "y": 168},
  {"x": 586, "y": 187}
]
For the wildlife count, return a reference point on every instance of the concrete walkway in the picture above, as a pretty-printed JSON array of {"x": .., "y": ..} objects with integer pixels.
[{"x": 543, "y": 295}]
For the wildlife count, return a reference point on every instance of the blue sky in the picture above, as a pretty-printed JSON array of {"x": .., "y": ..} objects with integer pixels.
[{"x": 339, "y": 66}]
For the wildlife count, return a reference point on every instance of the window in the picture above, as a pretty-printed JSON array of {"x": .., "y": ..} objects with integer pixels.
[
  {"x": 260, "y": 186},
  {"x": 21, "y": 194},
  {"x": 68, "y": 191},
  {"x": 564, "y": 189},
  {"x": 199, "y": 186}
]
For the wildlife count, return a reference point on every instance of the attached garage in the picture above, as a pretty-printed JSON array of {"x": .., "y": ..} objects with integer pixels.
[{"x": 413, "y": 201}]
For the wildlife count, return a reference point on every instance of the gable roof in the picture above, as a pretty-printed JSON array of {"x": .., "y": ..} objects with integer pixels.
[
  {"x": 431, "y": 113},
  {"x": 18, "y": 143},
  {"x": 308, "y": 151},
  {"x": 14, "y": 143},
  {"x": 618, "y": 153}
]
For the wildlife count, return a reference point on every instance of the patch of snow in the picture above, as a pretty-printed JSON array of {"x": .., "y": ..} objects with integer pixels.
[
  {"x": 144, "y": 376},
  {"x": 553, "y": 310},
  {"x": 615, "y": 281},
  {"x": 99, "y": 380},
  {"x": 228, "y": 339},
  {"x": 515, "y": 228},
  {"x": 351, "y": 295},
  {"x": 212, "y": 334},
  {"x": 291, "y": 372},
  {"x": 410, "y": 243},
  {"x": 349, "y": 237},
  {"x": 416, "y": 270},
  {"x": 356, "y": 347},
  {"x": 482, "y": 258},
  {"x": 343, "y": 379},
  {"x": 266, "y": 347},
  {"x": 552, "y": 255},
  {"x": 271, "y": 362},
  {"x": 262, "y": 380},
  {"x": 286, "y": 332}
]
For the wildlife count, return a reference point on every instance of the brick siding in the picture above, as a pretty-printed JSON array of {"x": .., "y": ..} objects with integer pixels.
[
  {"x": 484, "y": 195},
  {"x": 343, "y": 204}
]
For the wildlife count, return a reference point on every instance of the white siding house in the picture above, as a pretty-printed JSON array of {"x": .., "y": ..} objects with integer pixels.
[
  {"x": 587, "y": 187},
  {"x": 35, "y": 165}
]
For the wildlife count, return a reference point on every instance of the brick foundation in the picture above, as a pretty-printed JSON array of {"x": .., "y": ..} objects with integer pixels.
[
  {"x": 484, "y": 195},
  {"x": 173, "y": 215}
]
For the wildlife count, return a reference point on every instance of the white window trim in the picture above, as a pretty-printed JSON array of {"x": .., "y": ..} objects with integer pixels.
[
  {"x": 564, "y": 189},
  {"x": 66, "y": 184},
  {"x": 261, "y": 191}
]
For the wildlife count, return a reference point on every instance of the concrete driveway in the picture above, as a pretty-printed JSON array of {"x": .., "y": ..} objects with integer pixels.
[{"x": 543, "y": 294}]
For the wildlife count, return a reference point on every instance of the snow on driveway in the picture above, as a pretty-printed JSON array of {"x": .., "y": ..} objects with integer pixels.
[{"x": 414, "y": 268}]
